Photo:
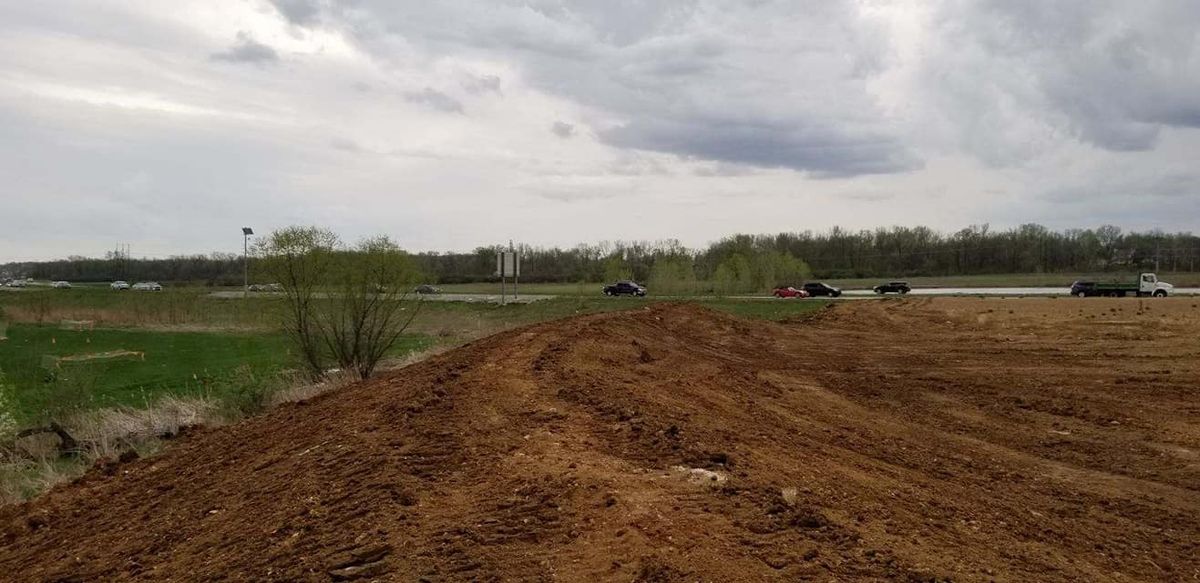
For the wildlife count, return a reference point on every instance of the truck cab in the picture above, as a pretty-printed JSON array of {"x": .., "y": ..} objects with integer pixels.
[{"x": 1149, "y": 285}]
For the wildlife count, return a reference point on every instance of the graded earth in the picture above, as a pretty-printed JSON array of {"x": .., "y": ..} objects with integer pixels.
[{"x": 964, "y": 439}]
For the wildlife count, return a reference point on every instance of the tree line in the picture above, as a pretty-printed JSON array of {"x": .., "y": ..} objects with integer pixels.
[{"x": 735, "y": 263}]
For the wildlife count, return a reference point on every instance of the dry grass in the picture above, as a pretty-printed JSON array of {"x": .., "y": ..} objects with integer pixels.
[
  {"x": 21, "y": 478},
  {"x": 114, "y": 430},
  {"x": 32, "y": 464},
  {"x": 304, "y": 391}
]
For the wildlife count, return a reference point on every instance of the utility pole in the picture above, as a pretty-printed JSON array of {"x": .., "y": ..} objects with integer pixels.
[
  {"x": 516, "y": 270},
  {"x": 246, "y": 232}
]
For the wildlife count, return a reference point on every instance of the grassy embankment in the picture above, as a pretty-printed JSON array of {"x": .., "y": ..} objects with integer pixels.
[{"x": 197, "y": 345}]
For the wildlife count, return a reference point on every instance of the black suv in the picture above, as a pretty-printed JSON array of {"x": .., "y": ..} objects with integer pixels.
[
  {"x": 893, "y": 287},
  {"x": 624, "y": 288},
  {"x": 817, "y": 288}
]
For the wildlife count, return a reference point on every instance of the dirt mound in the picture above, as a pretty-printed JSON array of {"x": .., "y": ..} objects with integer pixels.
[{"x": 898, "y": 440}]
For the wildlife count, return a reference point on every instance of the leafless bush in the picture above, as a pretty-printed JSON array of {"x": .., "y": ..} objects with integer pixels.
[{"x": 346, "y": 307}]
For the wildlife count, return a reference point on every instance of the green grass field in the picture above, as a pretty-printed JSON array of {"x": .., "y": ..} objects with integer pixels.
[
  {"x": 178, "y": 363},
  {"x": 173, "y": 307}
]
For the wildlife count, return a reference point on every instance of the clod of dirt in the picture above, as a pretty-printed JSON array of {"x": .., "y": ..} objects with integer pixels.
[
  {"x": 644, "y": 355},
  {"x": 702, "y": 476},
  {"x": 790, "y": 495},
  {"x": 359, "y": 571}
]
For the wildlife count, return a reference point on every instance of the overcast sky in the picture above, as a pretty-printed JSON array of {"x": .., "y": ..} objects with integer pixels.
[{"x": 453, "y": 124}]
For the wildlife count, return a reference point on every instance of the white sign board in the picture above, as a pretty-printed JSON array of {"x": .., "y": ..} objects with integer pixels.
[{"x": 508, "y": 264}]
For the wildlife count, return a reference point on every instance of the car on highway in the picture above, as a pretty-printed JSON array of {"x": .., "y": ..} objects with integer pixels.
[
  {"x": 146, "y": 286},
  {"x": 119, "y": 285},
  {"x": 17, "y": 283},
  {"x": 817, "y": 288},
  {"x": 892, "y": 287},
  {"x": 426, "y": 289},
  {"x": 624, "y": 288},
  {"x": 265, "y": 287},
  {"x": 61, "y": 285},
  {"x": 1084, "y": 289},
  {"x": 789, "y": 292}
]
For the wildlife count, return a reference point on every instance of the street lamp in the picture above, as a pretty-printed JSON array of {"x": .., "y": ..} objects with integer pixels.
[{"x": 246, "y": 232}]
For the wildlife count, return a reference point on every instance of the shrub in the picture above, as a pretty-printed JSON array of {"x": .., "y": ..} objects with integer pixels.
[{"x": 346, "y": 307}]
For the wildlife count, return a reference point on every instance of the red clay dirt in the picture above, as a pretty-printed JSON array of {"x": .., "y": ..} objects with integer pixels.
[{"x": 911, "y": 440}]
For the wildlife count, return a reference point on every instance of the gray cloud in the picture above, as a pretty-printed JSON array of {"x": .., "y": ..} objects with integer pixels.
[
  {"x": 482, "y": 84},
  {"x": 435, "y": 99},
  {"x": 345, "y": 145},
  {"x": 687, "y": 79},
  {"x": 1068, "y": 113},
  {"x": 1112, "y": 74},
  {"x": 298, "y": 12},
  {"x": 1179, "y": 185},
  {"x": 824, "y": 151},
  {"x": 247, "y": 50},
  {"x": 562, "y": 129}
]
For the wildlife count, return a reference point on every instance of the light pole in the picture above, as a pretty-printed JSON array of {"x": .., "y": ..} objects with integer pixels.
[{"x": 246, "y": 232}]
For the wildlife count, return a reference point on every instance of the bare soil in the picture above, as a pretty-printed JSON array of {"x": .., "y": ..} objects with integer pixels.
[{"x": 915, "y": 440}]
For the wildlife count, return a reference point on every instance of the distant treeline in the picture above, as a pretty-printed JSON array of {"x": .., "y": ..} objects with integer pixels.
[
  {"x": 736, "y": 262},
  {"x": 214, "y": 269}
]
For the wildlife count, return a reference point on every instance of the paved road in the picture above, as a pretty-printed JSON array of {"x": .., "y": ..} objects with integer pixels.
[
  {"x": 857, "y": 294},
  {"x": 475, "y": 298},
  {"x": 998, "y": 291}
]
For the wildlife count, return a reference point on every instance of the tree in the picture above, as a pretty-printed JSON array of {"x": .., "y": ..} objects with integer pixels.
[
  {"x": 672, "y": 275},
  {"x": 615, "y": 269},
  {"x": 733, "y": 275},
  {"x": 366, "y": 315},
  {"x": 1109, "y": 237},
  {"x": 772, "y": 268},
  {"x": 300, "y": 260},
  {"x": 344, "y": 307}
]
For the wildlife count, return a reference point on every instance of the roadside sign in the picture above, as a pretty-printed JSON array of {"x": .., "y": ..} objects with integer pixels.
[{"x": 508, "y": 264}]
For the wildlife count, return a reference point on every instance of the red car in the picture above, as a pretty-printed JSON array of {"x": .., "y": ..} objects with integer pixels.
[{"x": 789, "y": 292}]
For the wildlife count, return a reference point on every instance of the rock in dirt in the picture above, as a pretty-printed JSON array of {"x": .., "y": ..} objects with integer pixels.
[{"x": 359, "y": 571}]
